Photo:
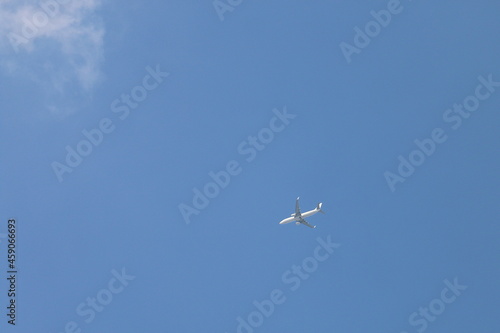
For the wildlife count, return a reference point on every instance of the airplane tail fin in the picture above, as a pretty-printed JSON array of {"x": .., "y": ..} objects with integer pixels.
[{"x": 319, "y": 208}]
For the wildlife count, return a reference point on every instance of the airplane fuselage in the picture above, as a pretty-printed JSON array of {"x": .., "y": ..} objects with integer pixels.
[{"x": 303, "y": 215}]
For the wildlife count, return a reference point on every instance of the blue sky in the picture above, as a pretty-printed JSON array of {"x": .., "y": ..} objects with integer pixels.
[{"x": 111, "y": 229}]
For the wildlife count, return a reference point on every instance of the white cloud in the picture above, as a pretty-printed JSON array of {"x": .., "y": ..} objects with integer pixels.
[{"x": 57, "y": 43}]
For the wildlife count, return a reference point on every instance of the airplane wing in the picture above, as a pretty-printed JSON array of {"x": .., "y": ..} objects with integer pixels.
[
  {"x": 297, "y": 208},
  {"x": 304, "y": 222}
]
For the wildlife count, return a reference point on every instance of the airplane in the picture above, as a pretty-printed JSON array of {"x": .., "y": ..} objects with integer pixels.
[{"x": 298, "y": 217}]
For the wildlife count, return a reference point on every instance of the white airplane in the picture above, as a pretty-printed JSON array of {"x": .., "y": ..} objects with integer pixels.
[{"x": 298, "y": 217}]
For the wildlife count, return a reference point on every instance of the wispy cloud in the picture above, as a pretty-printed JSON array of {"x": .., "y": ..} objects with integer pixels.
[{"x": 57, "y": 43}]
